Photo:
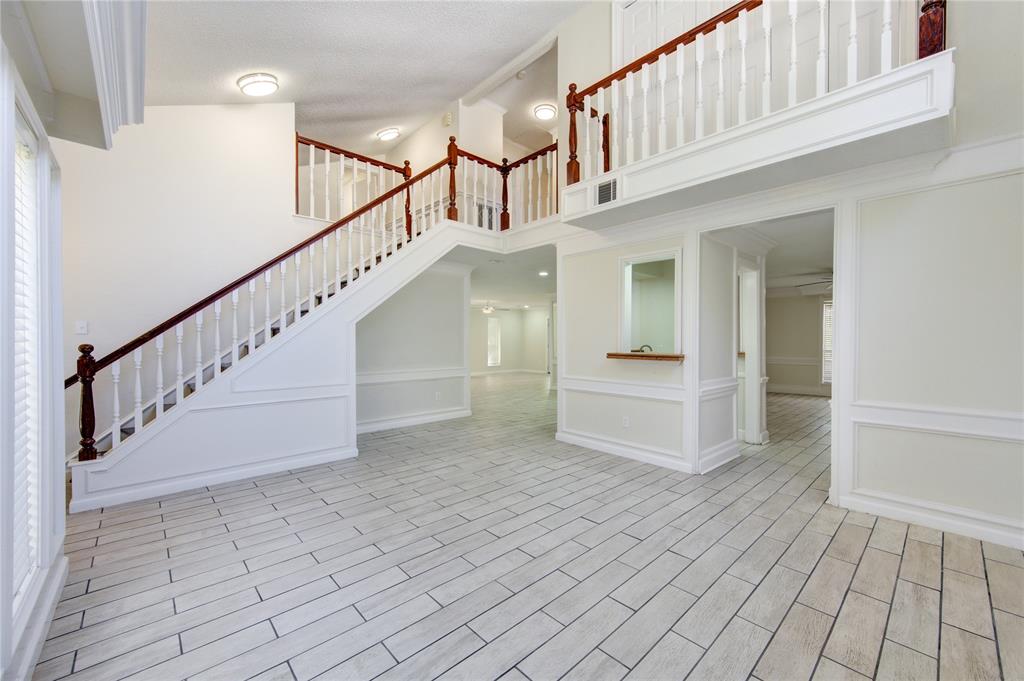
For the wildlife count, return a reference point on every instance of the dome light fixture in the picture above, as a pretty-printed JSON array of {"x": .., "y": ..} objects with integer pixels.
[
  {"x": 488, "y": 309},
  {"x": 545, "y": 112},
  {"x": 258, "y": 84},
  {"x": 388, "y": 134},
  {"x": 542, "y": 273}
]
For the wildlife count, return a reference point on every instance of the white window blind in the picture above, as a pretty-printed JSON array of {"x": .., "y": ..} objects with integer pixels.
[
  {"x": 493, "y": 342},
  {"x": 26, "y": 359},
  {"x": 826, "y": 343}
]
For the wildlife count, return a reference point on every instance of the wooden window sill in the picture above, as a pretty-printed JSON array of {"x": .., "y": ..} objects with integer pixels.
[{"x": 646, "y": 356}]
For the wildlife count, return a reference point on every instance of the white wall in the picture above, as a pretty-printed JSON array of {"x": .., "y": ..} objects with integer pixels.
[
  {"x": 428, "y": 144},
  {"x": 412, "y": 362},
  {"x": 793, "y": 338},
  {"x": 523, "y": 340}
]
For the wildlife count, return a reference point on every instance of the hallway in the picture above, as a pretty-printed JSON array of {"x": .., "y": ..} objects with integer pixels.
[{"x": 481, "y": 548}]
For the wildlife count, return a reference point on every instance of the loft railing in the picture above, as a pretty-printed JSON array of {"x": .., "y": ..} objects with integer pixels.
[
  {"x": 331, "y": 182},
  {"x": 667, "y": 98},
  {"x": 181, "y": 355},
  {"x": 509, "y": 194}
]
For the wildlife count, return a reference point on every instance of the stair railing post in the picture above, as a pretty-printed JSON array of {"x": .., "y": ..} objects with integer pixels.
[
  {"x": 406, "y": 174},
  {"x": 505, "y": 170},
  {"x": 606, "y": 148},
  {"x": 453, "y": 161},
  {"x": 931, "y": 28},
  {"x": 572, "y": 167},
  {"x": 87, "y": 413}
]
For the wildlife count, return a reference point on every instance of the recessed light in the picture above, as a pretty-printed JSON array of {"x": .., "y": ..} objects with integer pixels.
[
  {"x": 542, "y": 273},
  {"x": 545, "y": 112},
  {"x": 388, "y": 134},
  {"x": 526, "y": 307},
  {"x": 258, "y": 84}
]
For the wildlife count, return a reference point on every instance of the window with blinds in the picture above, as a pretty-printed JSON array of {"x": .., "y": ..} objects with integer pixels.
[
  {"x": 493, "y": 342},
  {"x": 826, "y": 342},
  {"x": 27, "y": 357}
]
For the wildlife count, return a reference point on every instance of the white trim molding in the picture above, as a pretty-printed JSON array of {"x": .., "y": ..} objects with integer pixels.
[
  {"x": 646, "y": 391},
  {"x": 795, "y": 361},
  {"x": 117, "y": 42},
  {"x": 630, "y": 450},
  {"x": 375, "y": 425}
]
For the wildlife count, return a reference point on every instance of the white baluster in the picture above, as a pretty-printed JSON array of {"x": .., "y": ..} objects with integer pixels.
[
  {"x": 886, "y": 36},
  {"x": 324, "y": 246},
  {"x": 851, "y": 49},
  {"x": 766, "y": 86},
  {"x": 465, "y": 212},
  {"x": 821, "y": 82},
  {"x": 160, "y": 374},
  {"x": 698, "y": 124},
  {"x": 311, "y": 268},
  {"x": 587, "y": 161},
  {"x": 283, "y": 323},
  {"x": 179, "y": 368},
  {"x": 137, "y": 401},
  {"x": 792, "y": 52},
  {"x": 423, "y": 205},
  {"x": 312, "y": 169},
  {"x": 615, "y": 122},
  {"x": 537, "y": 194},
  {"x": 199, "y": 350},
  {"x": 341, "y": 186},
  {"x": 662, "y": 122},
  {"x": 297, "y": 315},
  {"x": 115, "y": 426},
  {"x": 645, "y": 133},
  {"x": 630, "y": 85},
  {"x": 528, "y": 185},
  {"x": 216, "y": 339},
  {"x": 476, "y": 212},
  {"x": 327, "y": 184},
  {"x": 252, "y": 316},
  {"x": 720, "y": 103},
  {"x": 234, "y": 328},
  {"x": 337, "y": 261},
  {"x": 741, "y": 110},
  {"x": 266, "y": 305}
]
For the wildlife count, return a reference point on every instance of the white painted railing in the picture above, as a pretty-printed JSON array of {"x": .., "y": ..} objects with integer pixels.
[
  {"x": 502, "y": 195},
  {"x": 753, "y": 59}
]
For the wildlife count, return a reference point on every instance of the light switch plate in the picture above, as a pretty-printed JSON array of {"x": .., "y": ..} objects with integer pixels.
[{"x": 81, "y": 327}]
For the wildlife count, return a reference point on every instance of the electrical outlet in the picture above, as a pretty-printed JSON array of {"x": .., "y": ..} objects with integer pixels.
[{"x": 625, "y": 422}]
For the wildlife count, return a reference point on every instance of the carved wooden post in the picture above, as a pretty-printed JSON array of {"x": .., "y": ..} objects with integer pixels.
[
  {"x": 87, "y": 414},
  {"x": 931, "y": 28},
  {"x": 453, "y": 161},
  {"x": 505, "y": 170},
  {"x": 407, "y": 173},
  {"x": 572, "y": 167},
  {"x": 606, "y": 148}
]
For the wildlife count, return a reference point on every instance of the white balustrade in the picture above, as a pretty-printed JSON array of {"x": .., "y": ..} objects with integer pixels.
[
  {"x": 159, "y": 374},
  {"x": 115, "y": 426},
  {"x": 198, "y": 379},
  {"x": 137, "y": 392}
]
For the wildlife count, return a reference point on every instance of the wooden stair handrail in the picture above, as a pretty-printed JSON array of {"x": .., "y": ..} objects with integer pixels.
[
  {"x": 537, "y": 154},
  {"x": 144, "y": 338},
  {"x": 300, "y": 139}
]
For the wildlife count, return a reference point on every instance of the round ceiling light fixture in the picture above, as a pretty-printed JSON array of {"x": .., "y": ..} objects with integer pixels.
[
  {"x": 545, "y": 112},
  {"x": 388, "y": 134},
  {"x": 542, "y": 273},
  {"x": 258, "y": 84},
  {"x": 488, "y": 309}
]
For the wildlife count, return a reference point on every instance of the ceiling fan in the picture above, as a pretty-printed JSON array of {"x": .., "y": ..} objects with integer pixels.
[{"x": 823, "y": 278}]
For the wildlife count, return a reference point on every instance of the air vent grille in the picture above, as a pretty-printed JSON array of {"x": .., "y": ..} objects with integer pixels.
[{"x": 606, "y": 192}]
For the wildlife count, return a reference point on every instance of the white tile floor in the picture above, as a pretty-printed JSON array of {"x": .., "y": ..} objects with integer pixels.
[{"x": 481, "y": 548}]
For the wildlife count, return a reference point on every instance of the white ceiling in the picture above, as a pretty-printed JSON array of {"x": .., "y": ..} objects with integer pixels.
[
  {"x": 351, "y": 67},
  {"x": 804, "y": 250},
  {"x": 518, "y": 95},
  {"x": 509, "y": 280}
]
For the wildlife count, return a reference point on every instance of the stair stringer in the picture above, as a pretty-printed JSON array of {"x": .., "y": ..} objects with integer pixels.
[{"x": 289, "y": 405}]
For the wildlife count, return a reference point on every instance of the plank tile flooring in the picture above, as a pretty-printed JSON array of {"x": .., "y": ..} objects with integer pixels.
[{"x": 482, "y": 548}]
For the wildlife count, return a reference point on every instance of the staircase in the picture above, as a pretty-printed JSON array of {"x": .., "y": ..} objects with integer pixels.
[{"x": 226, "y": 388}]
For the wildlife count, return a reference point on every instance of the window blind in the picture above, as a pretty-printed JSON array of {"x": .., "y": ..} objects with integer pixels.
[
  {"x": 826, "y": 343},
  {"x": 27, "y": 357}
]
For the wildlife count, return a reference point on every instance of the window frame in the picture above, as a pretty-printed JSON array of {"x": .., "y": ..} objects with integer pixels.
[{"x": 626, "y": 295}]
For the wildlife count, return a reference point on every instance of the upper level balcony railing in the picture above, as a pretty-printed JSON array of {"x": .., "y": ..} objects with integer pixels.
[{"x": 756, "y": 59}]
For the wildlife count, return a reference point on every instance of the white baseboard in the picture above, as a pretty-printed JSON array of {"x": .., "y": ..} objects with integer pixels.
[
  {"x": 719, "y": 455},
  {"x": 25, "y": 656},
  {"x": 987, "y": 527},
  {"x": 624, "y": 449},
  {"x": 412, "y": 420},
  {"x": 85, "y": 501},
  {"x": 820, "y": 391},
  {"x": 508, "y": 371}
]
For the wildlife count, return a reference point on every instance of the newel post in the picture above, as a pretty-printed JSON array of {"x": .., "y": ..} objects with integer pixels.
[
  {"x": 572, "y": 167},
  {"x": 407, "y": 174},
  {"x": 931, "y": 28},
  {"x": 504, "y": 193},
  {"x": 87, "y": 413},
  {"x": 453, "y": 161}
]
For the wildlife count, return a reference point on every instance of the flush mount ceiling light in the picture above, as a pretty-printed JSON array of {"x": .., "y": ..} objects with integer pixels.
[
  {"x": 388, "y": 134},
  {"x": 526, "y": 307},
  {"x": 258, "y": 84},
  {"x": 545, "y": 112},
  {"x": 542, "y": 273}
]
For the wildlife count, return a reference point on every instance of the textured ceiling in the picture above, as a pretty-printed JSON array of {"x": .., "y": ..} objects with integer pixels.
[
  {"x": 352, "y": 68},
  {"x": 509, "y": 280}
]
